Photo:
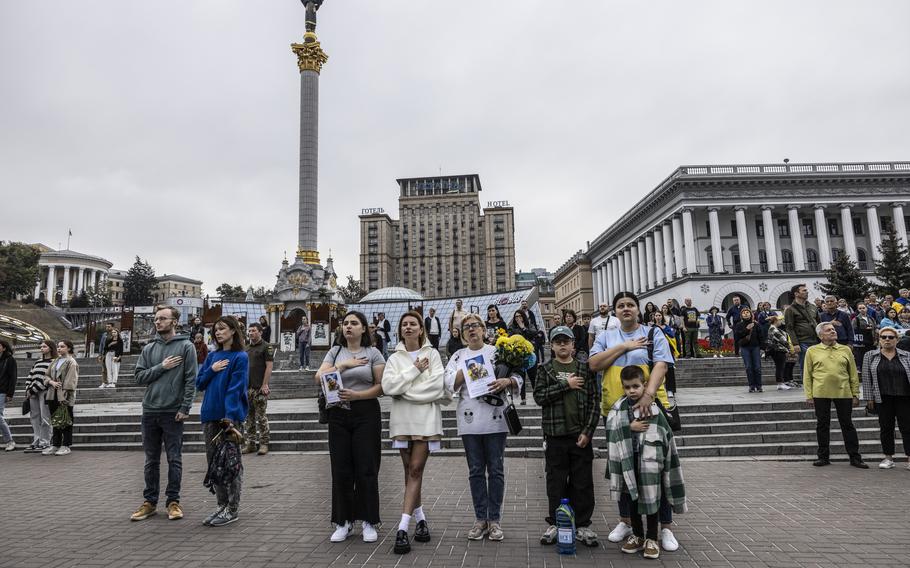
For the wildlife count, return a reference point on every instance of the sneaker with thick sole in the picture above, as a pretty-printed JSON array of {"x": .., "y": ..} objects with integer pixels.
[
  {"x": 49, "y": 451},
  {"x": 422, "y": 532},
  {"x": 549, "y": 535},
  {"x": 783, "y": 387},
  {"x": 668, "y": 540},
  {"x": 651, "y": 550},
  {"x": 369, "y": 532},
  {"x": 496, "y": 533},
  {"x": 341, "y": 532},
  {"x": 586, "y": 536},
  {"x": 225, "y": 517},
  {"x": 633, "y": 544},
  {"x": 10, "y": 446},
  {"x": 144, "y": 511},
  {"x": 263, "y": 449},
  {"x": 620, "y": 532},
  {"x": 208, "y": 520},
  {"x": 174, "y": 511},
  {"x": 64, "y": 450},
  {"x": 478, "y": 531},
  {"x": 402, "y": 544},
  {"x": 886, "y": 464}
]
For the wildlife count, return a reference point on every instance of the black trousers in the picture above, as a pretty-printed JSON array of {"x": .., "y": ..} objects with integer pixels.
[
  {"x": 355, "y": 449},
  {"x": 844, "y": 408},
  {"x": 780, "y": 361},
  {"x": 670, "y": 378},
  {"x": 570, "y": 475},
  {"x": 61, "y": 436},
  {"x": 434, "y": 340},
  {"x": 638, "y": 529},
  {"x": 890, "y": 408},
  {"x": 532, "y": 377}
]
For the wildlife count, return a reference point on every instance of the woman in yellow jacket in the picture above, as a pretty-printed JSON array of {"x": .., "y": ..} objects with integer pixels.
[{"x": 413, "y": 376}]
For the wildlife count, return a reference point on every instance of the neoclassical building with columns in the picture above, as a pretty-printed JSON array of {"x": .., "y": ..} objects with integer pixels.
[
  {"x": 709, "y": 232},
  {"x": 64, "y": 274}
]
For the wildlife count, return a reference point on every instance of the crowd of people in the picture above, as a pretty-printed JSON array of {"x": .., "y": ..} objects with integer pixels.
[{"x": 614, "y": 369}]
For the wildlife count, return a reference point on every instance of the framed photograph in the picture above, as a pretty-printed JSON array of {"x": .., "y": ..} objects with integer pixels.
[
  {"x": 331, "y": 386},
  {"x": 478, "y": 374}
]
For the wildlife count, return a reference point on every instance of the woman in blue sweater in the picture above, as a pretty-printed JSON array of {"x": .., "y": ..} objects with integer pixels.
[{"x": 224, "y": 378}]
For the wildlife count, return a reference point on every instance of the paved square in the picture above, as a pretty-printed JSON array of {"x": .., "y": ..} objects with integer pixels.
[{"x": 74, "y": 511}]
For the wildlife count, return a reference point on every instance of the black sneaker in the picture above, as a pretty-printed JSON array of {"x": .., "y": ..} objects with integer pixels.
[
  {"x": 422, "y": 532},
  {"x": 402, "y": 544},
  {"x": 821, "y": 462},
  {"x": 859, "y": 463},
  {"x": 225, "y": 517}
]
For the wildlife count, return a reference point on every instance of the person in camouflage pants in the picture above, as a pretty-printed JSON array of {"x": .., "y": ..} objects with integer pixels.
[{"x": 260, "y": 355}]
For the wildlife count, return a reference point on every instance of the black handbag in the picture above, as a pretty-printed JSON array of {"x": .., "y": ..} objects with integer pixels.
[
  {"x": 26, "y": 406},
  {"x": 509, "y": 413}
]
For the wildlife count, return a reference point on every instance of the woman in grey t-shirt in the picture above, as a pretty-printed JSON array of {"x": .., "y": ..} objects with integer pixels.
[{"x": 355, "y": 443}]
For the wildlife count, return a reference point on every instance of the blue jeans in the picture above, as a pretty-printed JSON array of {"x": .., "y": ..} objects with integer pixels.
[
  {"x": 486, "y": 458},
  {"x": 752, "y": 359},
  {"x": 802, "y": 356},
  {"x": 4, "y": 427},
  {"x": 158, "y": 428},
  {"x": 304, "y": 354}
]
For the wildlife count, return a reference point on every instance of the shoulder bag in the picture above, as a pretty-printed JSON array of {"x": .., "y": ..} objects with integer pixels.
[{"x": 671, "y": 413}]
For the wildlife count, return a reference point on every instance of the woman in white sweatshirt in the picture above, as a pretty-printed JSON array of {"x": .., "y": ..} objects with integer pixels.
[{"x": 413, "y": 377}]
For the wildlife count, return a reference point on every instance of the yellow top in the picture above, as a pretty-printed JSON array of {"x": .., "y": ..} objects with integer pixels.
[{"x": 830, "y": 372}]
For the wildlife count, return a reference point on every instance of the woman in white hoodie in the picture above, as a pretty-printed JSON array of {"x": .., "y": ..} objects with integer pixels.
[{"x": 413, "y": 377}]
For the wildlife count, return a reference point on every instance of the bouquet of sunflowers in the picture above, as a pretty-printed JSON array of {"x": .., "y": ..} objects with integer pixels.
[{"x": 516, "y": 352}]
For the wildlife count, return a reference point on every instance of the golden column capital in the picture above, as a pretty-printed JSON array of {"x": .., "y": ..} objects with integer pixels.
[{"x": 310, "y": 56}]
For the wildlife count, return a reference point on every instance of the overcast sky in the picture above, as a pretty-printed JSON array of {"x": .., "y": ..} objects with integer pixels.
[{"x": 170, "y": 129}]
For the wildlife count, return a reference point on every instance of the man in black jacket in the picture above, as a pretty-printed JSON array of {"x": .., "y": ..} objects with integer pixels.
[
  {"x": 691, "y": 321},
  {"x": 433, "y": 328}
]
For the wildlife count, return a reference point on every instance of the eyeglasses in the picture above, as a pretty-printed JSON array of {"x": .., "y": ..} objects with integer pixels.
[
  {"x": 163, "y": 319},
  {"x": 887, "y": 337},
  {"x": 469, "y": 326}
]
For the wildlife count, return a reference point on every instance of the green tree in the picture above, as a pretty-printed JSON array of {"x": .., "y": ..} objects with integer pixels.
[
  {"x": 80, "y": 300},
  {"x": 139, "y": 283},
  {"x": 102, "y": 297},
  {"x": 18, "y": 269},
  {"x": 230, "y": 293},
  {"x": 893, "y": 269},
  {"x": 846, "y": 281},
  {"x": 352, "y": 292}
]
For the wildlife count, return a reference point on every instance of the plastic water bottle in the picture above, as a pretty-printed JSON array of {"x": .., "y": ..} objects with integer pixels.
[{"x": 565, "y": 528}]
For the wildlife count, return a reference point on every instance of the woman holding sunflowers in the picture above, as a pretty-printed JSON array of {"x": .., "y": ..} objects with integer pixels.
[
  {"x": 520, "y": 327},
  {"x": 482, "y": 427}
]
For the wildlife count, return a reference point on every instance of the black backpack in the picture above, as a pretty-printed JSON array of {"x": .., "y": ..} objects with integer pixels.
[{"x": 225, "y": 465}]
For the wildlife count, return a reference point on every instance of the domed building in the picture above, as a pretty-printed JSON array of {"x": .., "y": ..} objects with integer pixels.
[
  {"x": 64, "y": 274},
  {"x": 392, "y": 294}
]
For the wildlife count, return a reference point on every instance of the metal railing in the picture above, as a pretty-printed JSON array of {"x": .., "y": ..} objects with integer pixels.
[{"x": 796, "y": 168}]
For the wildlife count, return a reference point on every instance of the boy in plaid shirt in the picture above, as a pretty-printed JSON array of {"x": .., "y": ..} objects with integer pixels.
[{"x": 569, "y": 397}]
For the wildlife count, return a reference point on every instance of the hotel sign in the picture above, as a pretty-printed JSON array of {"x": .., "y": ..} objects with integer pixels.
[
  {"x": 493, "y": 204},
  {"x": 372, "y": 211}
]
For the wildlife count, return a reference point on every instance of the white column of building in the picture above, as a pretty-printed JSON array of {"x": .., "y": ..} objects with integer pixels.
[
  {"x": 689, "y": 238},
  {"x": 595, "y": 277},
  {"x": 642, "y": 267},
  {"x": 659, "y": 258},
  {"x": 717, "y": 253},
  {"x": 770, "y": 240},
  {"x": 51, "y": 283},
  {"x": 80, "y": 279},
  {"x": 678, "y": 254},
  {"x": 650, "y": 261},
  {"x": 618, "y": 275},
  {"x": 66, "y": 282},
  {"x": 846, "y": 219},
  {"x": 669, "y": 265},
  {"x": 742, "y": 237},
  {"x": 37, "y": 285},
  {"x": 611, "y": 289},
  {"x": 628, "y": 283},
  {"x": 633, "y": 255},
  {"x": 897, "y": 210},
  {"x": 796, "y": 238},
  {"x": 875, "y": 235},
  {"x": 824, "y": 247}
]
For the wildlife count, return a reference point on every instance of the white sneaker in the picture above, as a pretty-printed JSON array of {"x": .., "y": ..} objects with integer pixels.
[
  {"x": 49, "y": 451},
  {"x": 10, "y": 446},
  {"x": 886, "y": 464},
  {"x": 62, "y": 451},
  {"x": 620, "y": 533},
  {"x": 369, "y": 533},
  {"x": 668, "y": 541},
  {"x": 341, "y": 532},
  {"x": 102, "y": 386},
  {"x": 783, "y": 387}
]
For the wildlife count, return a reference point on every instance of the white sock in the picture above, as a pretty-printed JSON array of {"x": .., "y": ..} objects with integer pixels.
[
  {"x": 405, "y": 521},
  {"x": 418, "y": 514}
]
